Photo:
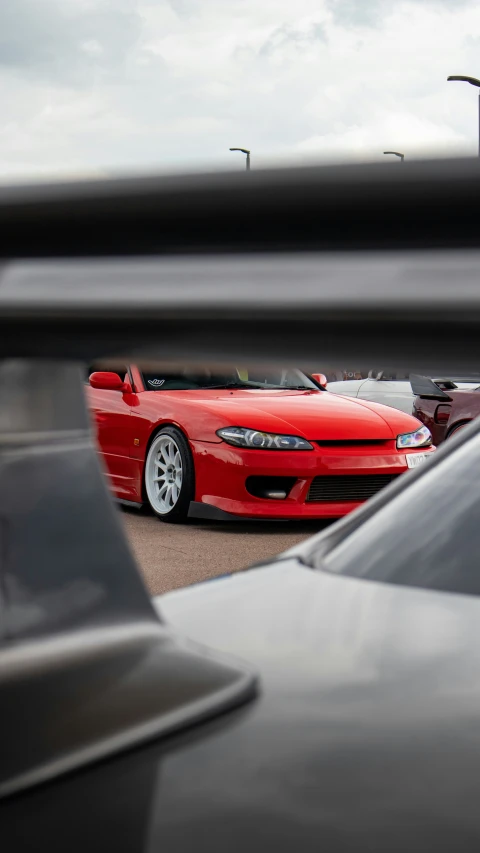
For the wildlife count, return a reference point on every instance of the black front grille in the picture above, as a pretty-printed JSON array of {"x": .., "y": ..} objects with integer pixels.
[
  {"x": 352, "y": 442},
  {"x": 352, "y": 487}
]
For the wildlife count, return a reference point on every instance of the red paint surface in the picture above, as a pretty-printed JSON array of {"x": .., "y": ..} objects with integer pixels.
[{"x": 221, "y": 470}]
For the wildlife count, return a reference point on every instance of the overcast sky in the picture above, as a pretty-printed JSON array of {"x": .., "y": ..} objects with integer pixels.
[{"x": 101, "y": 86}]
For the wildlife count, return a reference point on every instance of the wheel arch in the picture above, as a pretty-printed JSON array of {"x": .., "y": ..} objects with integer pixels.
[
  {"x": 461, "y": 423},
  {"x": 154, "y": 432}
]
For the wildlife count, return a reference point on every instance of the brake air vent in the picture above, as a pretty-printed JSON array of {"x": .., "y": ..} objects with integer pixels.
[{"x": 356, "y": 487}]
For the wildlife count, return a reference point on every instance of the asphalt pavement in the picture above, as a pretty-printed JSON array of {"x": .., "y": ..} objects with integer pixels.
[{"x": 172, "y": 555}]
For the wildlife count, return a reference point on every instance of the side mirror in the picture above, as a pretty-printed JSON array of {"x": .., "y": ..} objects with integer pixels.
[
  {"x": 320, "y": 378},
  {"x": 108, "y": 382}
]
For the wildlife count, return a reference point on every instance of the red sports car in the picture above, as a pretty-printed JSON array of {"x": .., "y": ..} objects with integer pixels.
[{"x": 258, "y": 444}]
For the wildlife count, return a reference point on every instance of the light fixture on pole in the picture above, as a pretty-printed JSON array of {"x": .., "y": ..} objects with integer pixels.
[
  {"x": 244, "y": 151},
  {"x": 397, "y": 154},
  {"x": 464, "y": 78}
]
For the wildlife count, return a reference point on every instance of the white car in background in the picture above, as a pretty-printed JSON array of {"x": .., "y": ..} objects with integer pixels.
[{"x": 390, "y": 388}]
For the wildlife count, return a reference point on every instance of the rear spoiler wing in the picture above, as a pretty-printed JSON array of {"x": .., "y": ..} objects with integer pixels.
[{"x": 423, "y": 386}]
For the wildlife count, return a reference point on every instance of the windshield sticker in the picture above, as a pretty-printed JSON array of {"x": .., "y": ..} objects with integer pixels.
[{"x": 156, "y": 383}]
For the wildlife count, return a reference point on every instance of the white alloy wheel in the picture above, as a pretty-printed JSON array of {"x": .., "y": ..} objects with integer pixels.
[{"x": 164, "y": 474}]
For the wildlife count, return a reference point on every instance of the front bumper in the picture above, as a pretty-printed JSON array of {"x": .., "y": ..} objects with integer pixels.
[{"x": 221, "y": 473}]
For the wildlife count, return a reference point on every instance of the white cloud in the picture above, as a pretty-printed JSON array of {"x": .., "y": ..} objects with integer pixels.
[
  {"x": 98, "y": 86},
  {"x": 360, "y": 141}
]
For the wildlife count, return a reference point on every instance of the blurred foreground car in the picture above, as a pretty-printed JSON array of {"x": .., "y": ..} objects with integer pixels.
[
  {"x": 392, "y": 388},
  {"x": 372, "y": 651},
  {"x": 196, "y": 444},
  {"x": 444, "y": 406},
  {"x": 361, "y": 646}
]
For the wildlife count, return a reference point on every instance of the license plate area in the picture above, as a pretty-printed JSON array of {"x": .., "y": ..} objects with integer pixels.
[{"x": 416, "y": 459}]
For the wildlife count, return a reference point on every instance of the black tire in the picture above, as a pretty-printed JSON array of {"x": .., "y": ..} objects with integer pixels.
[
  {"x": 167, "y": 493},
  {"x": 457, "y": 429}
]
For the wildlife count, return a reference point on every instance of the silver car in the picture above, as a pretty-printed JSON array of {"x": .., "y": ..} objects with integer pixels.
[{"x": 392, "y": 388}]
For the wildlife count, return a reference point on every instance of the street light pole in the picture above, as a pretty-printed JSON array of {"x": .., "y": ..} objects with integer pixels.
[
  {"x": 464, "y": 78},
  {"x": 244, "y": 151},
  {"x": 397, "y": 154}
]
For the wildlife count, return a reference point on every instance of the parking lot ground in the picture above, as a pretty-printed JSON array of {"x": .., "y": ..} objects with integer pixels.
[{"x": 172, "y": 555}]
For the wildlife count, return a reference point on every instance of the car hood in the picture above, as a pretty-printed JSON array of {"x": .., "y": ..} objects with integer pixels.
[{"x": 313, "y": 415}]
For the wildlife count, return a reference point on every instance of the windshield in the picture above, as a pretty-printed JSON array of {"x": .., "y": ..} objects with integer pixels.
[{"x": 193, "y": 377}]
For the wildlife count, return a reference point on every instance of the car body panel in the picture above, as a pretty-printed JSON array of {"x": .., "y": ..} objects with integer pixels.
[
  {"x": 463, "y": 408},
  {"x": 112, "y": 417},
  {"x": 346, "y": 387},
  {"x": 366, "y": 719},
  {"x": 129, "y": 420},
  {"x": 311, "y": 414},
  {"x": 390, "y": 392},
  {"x": 397, "y": 394},
  {"x": 364, "y": 735},
  {"x": 231, "y": 496}
]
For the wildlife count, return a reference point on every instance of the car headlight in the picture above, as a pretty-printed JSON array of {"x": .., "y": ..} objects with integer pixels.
[
  {"x": 422, "y": 437},
  {"x": 242, "y": 437}
]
